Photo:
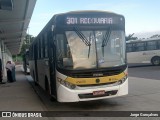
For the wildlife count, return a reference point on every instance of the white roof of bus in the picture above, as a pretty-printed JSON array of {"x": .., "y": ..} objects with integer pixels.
[
  {"x": 139, "y": 40},
  {"x": 85, "y": 11}
]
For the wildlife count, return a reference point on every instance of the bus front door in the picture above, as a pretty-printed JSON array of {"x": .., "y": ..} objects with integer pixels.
[{"x": 52, "y": 67}]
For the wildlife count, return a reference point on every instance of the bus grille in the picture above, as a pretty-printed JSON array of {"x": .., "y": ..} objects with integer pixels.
[
  {"x": 90, "y": 74},
  {"x": 93, "y": 85}
]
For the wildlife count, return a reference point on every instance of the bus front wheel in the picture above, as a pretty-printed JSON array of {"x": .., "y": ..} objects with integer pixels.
[
  {"x": 47, "y": 85},
  {"x": 155, "y": 61}
]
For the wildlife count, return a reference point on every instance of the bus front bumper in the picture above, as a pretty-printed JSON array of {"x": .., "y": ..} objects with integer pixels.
[{"x": 65, "y": 94}]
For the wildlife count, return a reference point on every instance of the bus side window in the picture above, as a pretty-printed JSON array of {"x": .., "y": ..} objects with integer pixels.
[
  {"x": 140, "y": 46},
  {"x": 41, "y": 52},
  {"x": 63, "y": 51},
  {"x": 134, "y": 47},
  {"x": 45, "y": 46},
  {"x": 60, "y": 45},
  {"x": 151, "y": 45},
  {"x": 39, "y": 48},
  {"x": 158, "y": 44},
  {"x": 129, "y": 47}
]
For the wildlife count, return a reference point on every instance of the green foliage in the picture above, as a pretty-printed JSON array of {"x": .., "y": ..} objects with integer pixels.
[
  {"x": 155, "y": 36},
  {"x": 17, "y": 58},
  {"x": 26, "y": 43},
  {"x": 130, "y": 37}
]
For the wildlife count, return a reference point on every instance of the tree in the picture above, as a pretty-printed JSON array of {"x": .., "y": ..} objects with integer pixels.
[
  {"x": 155, "y": 36},
  {"x": 130, "y": 37},
  {"x": 26, "y": 43}
]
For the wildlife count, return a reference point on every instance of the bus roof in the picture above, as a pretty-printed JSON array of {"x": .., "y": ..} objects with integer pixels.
[
  {"x": 89, "y": 11},
  {"x": 142, "y": 40}
]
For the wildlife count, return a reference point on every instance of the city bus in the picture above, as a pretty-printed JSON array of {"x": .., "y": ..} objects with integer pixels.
[
  {"x": 81, "y": 56},
  {"x": 26, "y": 62},
  {"x": 143, "y": 51}
]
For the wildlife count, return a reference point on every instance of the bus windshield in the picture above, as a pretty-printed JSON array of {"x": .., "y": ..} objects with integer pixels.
[{"x": 78, "y": 50}]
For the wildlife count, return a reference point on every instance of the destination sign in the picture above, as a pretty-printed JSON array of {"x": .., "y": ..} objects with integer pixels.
[
  {"x": 92, "y": 20},
  {"x": 73, "y": 20}
]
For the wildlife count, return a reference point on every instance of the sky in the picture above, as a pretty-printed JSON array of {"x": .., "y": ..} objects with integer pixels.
[{"x": 142, "y": 16}]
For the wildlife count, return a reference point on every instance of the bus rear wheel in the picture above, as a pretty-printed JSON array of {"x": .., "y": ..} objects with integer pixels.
[
  {"x": 34, "y": 78},
  {"x": 155, "y": 61}
]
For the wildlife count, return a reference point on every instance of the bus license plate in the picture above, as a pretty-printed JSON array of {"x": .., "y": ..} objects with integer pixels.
[{"x": 101, "y": 92}]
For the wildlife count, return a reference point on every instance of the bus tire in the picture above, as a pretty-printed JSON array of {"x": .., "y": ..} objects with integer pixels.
[
  {"x": 34, "y": 78},
  {"x": 47, "y": 85},
  {"x": 53, "y": 99},
  {"x": 155, "y": 60}
]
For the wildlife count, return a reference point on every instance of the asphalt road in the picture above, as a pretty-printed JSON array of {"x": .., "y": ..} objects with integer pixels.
[
  {"x": 145, "y": 71},
  {"x": 144, "y": 95}
]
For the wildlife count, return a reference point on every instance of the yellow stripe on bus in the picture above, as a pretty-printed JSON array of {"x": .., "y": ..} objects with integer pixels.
[{"x": 87, "y": 81}]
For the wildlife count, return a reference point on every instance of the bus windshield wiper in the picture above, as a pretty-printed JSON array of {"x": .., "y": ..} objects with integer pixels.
[
  {"x": 105, "y": 39},
  {"x": 84, "y": 39},
  {"x": 81, "y": 35},
  {"x": 89, "y": 45}
]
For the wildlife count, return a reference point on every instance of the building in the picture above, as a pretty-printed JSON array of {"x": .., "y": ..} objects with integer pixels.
[{"x": 15, "y": 16}]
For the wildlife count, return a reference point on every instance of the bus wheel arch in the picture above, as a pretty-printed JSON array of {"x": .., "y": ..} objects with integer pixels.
[
  {"x": 155, "y": 60},
  {"x": 48, "y": 90}
]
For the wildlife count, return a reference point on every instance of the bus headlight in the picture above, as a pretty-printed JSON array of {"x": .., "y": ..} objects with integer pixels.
[
  {"x": 122, "y": 80},
  {"x": 65, "y": 83}
]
